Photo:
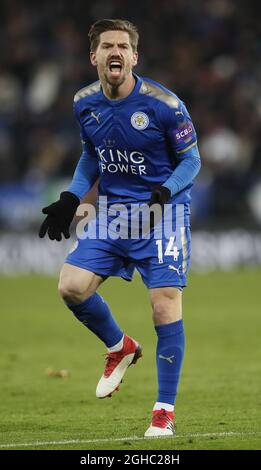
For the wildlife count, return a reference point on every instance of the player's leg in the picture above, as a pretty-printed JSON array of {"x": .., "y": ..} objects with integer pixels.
[
  {"x": 164, "y": 273},
  {"x": 78, "y": 287},
  {"x": 77, "y": 284},
  {"x": 167, "y": 316},
  {"x": 87, "y": 265}
]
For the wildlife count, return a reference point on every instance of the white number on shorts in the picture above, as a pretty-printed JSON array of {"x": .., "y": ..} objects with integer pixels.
[{"x": 171, "y": 250}]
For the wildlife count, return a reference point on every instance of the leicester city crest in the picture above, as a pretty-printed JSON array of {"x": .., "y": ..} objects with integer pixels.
[{"x": 140, "y": 120}]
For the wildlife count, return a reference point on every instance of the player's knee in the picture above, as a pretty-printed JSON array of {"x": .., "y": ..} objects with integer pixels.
[
  {"x": 160, "y": 309},
  {"x": 166, "y": 308},
  {"x": 72, "y": 292}
]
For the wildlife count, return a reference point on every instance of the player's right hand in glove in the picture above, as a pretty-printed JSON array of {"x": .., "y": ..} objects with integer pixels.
[{"x": 59, "y": 216}]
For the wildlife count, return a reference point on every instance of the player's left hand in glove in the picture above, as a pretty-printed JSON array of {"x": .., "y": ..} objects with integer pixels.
[
  {"x": 59, "y": 216},
  {"x": 160, "y": 195}
]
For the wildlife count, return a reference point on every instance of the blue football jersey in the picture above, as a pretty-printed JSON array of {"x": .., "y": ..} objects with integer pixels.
[{"x": 137, "y": 141}]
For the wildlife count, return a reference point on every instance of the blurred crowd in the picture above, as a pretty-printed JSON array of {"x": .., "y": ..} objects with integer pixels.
[{"x": 206, "y": 51}]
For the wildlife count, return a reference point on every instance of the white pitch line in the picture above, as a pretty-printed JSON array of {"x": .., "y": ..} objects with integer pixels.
[{"x": 120, "y": 439}]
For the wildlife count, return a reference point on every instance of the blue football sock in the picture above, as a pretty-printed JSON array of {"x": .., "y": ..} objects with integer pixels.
[
  {"x": 95, "y": 314},
  {"x": 170, "y": 352}
]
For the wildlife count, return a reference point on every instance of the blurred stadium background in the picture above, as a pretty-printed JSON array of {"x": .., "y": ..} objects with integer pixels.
[{"x": 208, "y": 52}]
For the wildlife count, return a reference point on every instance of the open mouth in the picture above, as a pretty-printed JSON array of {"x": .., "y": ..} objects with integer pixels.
[{"x": 115, "y": 67}]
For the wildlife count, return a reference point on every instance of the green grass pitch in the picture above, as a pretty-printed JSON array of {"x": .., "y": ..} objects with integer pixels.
[{"x": 219, "y": 400}]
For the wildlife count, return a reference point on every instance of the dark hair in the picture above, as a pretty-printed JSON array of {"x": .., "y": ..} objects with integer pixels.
[{"x": 113, "y": 25}]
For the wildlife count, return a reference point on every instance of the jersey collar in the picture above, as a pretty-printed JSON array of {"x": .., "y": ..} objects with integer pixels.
[{"x": 134, "y": 92}]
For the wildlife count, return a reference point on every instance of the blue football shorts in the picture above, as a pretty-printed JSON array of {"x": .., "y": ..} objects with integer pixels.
[{"x": 162, "y": 261}]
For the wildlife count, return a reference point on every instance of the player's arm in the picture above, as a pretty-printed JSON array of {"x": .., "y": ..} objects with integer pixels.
[
  {"x": 182, "y": 138},
  {"x": 61, "y": 213},
  {"x": 86, "y": 172}
]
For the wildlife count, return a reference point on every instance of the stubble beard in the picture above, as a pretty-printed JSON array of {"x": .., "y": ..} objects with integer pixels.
[{"x": 114, "y": 85}]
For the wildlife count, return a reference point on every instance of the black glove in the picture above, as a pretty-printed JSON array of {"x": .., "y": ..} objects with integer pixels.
[
  {"x": 59, "y": 216},
  {"x": 160, "y": 195}
]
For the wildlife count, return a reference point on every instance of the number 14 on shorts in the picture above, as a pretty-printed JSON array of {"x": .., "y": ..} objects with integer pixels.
[{"x": 171, "y": 250}]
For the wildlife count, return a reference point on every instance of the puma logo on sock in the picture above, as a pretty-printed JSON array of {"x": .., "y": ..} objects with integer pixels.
[{"x": 169, "y": 359}]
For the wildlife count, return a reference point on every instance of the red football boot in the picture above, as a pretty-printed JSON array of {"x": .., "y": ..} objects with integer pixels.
[{"x": 116, "y": 365}]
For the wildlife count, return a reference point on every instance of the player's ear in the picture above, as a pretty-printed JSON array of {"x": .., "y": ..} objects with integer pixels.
[
  {"x": 93, "y": 58},
  {"x": 135, "y": 58}
]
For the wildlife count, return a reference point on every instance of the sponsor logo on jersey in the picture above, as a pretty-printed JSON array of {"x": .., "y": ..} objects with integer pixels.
[
  {"x": 184, "y": 133},
  {"x": 140, "y": 121},
  {"x": 121, "y": 161}
]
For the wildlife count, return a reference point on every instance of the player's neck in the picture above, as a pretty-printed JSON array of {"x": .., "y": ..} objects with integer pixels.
[{"x": 122, "y": 91}]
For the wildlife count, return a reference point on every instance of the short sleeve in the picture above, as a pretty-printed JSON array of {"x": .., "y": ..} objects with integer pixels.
[{"x": 179, "y": 128}]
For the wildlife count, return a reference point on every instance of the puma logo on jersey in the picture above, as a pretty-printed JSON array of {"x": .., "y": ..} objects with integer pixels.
[
  {"x": 96, "y": 116},
  {"x": 175, "y": 269},
  {"x": 168, "y": 359}
]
